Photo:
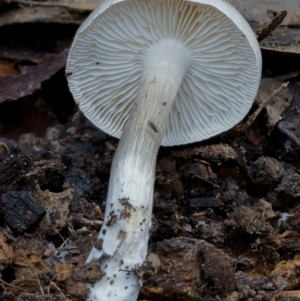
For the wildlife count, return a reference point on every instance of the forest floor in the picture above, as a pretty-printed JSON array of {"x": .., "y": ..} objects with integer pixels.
[{"x": 226, "y": 214}]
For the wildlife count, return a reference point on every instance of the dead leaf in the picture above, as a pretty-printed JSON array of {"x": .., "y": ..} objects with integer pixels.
[
  {"x": 290, "y": 123},
  {"x": 41, "y": 14},
  {"x": 88, "y": 5},
  {"x": 285, "y": 38},
  {"x": 263, "y": 11},
  {"x": 279, "y": 103}
]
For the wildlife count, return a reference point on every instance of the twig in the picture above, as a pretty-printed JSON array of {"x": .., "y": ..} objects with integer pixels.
[
  {"x": 8, "y": 284},
  {"x": 206, "y": 181},
  {"x": 55, "y": 287},
  {"x": 268, "y": 28},
  {"x": 5, "y": 146},
  {"x": 40, "y": 285},
  {"x": 262, "y": 105}
]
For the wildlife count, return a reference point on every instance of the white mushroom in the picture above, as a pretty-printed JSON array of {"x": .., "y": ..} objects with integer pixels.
[{"x": 154, "y": 72}]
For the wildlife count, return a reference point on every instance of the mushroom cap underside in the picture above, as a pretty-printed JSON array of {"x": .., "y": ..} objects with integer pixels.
[{"x": 106, "y": 62}]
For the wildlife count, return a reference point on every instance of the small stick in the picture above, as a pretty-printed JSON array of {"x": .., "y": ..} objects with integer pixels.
[
  {"x": 5, "y": 146},
  {"x": 262, "y": 105},
  {"x": 268, "y": 28},
  {"x": 207, "y": 181},
  {"x": 8, "y": 284},
  {"x": 40, "y": 285}
]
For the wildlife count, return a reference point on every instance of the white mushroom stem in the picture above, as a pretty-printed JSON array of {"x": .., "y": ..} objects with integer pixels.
[{"x": 125, "y": 232}]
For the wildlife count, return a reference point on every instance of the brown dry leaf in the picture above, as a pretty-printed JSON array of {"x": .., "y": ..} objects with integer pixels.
[
  {"x": 30, "y": 77},
  {"x": 41, "y": 14},
  {"x": 88, "y": 5}
]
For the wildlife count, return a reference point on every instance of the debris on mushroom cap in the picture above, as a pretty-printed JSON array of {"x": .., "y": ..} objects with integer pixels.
[{"x": 107, "y": 57}]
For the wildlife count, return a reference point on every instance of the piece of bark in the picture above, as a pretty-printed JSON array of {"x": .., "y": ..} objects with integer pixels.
[
  {"x": 12, "y": 170},
  {"x": 19, "y": 211},
  {"x": 31, "y": 77},
  {"x": 22, "y": 53}
]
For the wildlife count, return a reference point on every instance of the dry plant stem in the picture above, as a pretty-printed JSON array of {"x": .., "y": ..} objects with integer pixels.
[
  {"x": 262, "y": 105},
  {"x": 268, "y": 28},
  {"x": 207, "y": 182},
  {"x": 40, "y": 285}
]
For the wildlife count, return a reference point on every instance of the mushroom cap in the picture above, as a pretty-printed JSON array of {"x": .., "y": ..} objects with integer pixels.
[{"x": 106, "y": 62}]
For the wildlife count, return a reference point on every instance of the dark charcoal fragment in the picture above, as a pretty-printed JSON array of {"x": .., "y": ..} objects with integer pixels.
[
  {"x": 12, "y": 170},
  {"x": 205, "y": 202},
  {"x": 19, "y": 211},
  {"x": 79, "y": 180}
]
